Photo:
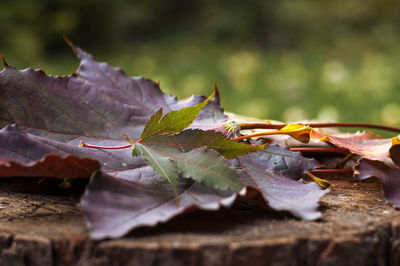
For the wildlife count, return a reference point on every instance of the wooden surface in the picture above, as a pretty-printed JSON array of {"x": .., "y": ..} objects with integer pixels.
[{"x": 39, "y": 226}]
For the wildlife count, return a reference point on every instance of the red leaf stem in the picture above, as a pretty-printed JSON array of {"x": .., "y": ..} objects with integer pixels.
[
  {"x": 321, "y": 149},
  {"x": 86, "y": 145},
  {"x": 319, "y": 125},
  {"x": 331, "y": 171}
]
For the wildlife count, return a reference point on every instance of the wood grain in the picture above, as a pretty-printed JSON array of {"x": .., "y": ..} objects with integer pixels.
[{"x": 41, "y": 225}]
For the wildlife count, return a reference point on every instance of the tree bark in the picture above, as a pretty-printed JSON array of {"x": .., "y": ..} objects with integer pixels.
[{"x": 357, "y": 228}]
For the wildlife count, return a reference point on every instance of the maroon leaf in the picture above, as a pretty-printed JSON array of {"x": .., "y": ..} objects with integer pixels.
[
  {"x": 97, "y": 104},
  {"x": 152, "y": 197},
  {"x": 98, "y": 101},
  {"x": 277, "y": 173},
  {"x": 36, "y": 158},
  {"x": 379, "y": 158},
  {"x": 364, "y": 144},
  {"x": 389, "y": 176},
  {"x": 118, "y": 202},
  {"x": 27, "y": 150},
  {"x": 51, "y": 165},
  {"x": 114, "y": 206}
]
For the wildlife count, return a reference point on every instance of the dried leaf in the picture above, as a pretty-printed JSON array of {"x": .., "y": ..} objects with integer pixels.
[
  {"x": 97, "y": 104},
  {"x": 31, "y": 157},
  {"x": 129, "y": 199},
  {"x": 389, "y": 176},
  {"x": 366, "y": 145},
  {"x": 173, "y": 156},
  {"x": 299, "y": 132},
  {"x": 98, "y": 101},
  {"x": 114, "y": 206},
  {"x": 277, "y": 173}
]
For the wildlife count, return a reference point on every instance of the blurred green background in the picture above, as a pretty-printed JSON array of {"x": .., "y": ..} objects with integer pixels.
[{"x": 283, "y": 60}]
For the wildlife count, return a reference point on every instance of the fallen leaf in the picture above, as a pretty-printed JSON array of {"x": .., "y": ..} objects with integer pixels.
[
  {"x": 194, "y": 138},
  {"x": 389, "y": 176},
  {"x": 98, "y": 101},
  {"x": 114, "y": 206},
  {"x": 366, "y": 145},
  {"x": 98, "y": 104},
  {"x": 378, "y": 158},
  {"x": 277, "y": 173},
  {"x": 30, "y": 156},
  {"x": 299, "y": 132},
  {"x": 26, "y": 149},
  {"x": 169, "y": 155}
]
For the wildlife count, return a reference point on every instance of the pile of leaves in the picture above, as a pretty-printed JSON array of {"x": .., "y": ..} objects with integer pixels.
[{"x": 151, "y": 157}]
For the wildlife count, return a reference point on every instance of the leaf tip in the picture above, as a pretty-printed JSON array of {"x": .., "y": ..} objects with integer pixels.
[
  {"x": 5, "y": 64},
  {"x": 324, "y": 138},
  {"x": 68, "y": 42},
  {"x": 73, "y": 47},
  {"x": 217, "y": 93},
  {"x": 216, "y": 89}
]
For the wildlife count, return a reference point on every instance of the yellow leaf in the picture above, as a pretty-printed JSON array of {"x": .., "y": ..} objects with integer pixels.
[{"x": 299, "y": 132}]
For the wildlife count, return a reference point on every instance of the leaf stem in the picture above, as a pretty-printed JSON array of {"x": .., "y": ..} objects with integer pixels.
[
  {"x": 322, "y": 183},
  {"x": 319, "y": 125},
  {"x": 321, "y": 149},
  {"x": 331, "y": 171},
  {"x": 262, "y": 134},
  {"x": 86, "y": 145},
  {"x": 342, "y": 162}
]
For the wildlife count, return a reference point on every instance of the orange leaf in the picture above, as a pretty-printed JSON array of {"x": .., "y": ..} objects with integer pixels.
[{"x": 364, "y": 144}]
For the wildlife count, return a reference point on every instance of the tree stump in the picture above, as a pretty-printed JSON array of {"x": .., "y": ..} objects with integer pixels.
[{"x": 41, "y": 225}]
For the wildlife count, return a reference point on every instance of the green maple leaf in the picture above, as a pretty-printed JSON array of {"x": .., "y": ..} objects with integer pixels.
[
  {"x": 194, "y": 138},
  {"x": 172, "y": 122},
  {"x": 192, "y": 154},
  {"x": 201, "y": 164}
]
